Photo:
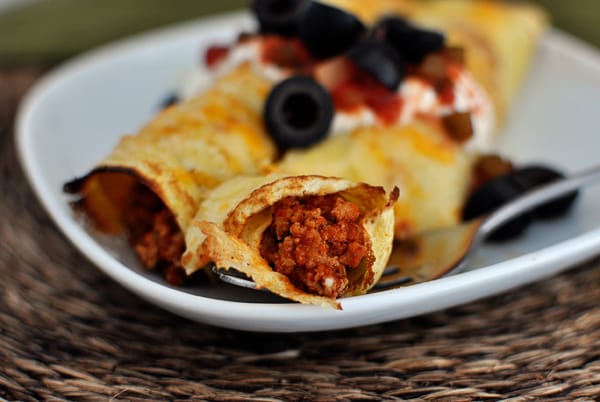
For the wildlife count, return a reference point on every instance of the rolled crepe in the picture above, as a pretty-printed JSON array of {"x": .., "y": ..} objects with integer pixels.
[
  {"x": 151, "y": 184},
  {"x": 311, "y": 239}
]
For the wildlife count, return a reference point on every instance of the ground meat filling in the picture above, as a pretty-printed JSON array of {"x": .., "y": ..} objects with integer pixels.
[
  {"x": 155, "y": 236},
  {"x": 315, "y": 241}
]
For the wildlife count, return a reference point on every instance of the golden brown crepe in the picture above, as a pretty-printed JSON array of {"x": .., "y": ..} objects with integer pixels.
[
  {"x": 235, "y": 226},
  {"x": 191, "y": 147},
  {"x": 179, "y": 156}
]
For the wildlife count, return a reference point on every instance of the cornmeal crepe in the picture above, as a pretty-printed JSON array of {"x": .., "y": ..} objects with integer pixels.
[
  {"x": 310, "y": 239},
  {"x": 186, "y": 150}
]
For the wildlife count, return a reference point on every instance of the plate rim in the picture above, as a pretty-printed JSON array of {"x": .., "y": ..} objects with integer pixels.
[{"x": 243, "y": 315}]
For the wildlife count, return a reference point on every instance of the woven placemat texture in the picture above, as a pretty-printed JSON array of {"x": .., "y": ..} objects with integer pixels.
[{"x": 67, "y": 332}]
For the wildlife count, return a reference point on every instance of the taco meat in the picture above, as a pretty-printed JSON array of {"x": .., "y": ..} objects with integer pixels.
[
  {"x": 315, "y": 241},
  {"x": 154, "y": 235}
]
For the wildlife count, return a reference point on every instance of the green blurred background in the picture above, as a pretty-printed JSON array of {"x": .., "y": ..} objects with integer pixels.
[{"x": 49, "y": 31}]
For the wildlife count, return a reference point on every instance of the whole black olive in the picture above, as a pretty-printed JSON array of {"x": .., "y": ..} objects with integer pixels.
[
  {"x": 538, "y": 175},
  {"x": 380, "y": 60},
  {"x": 412, "y": 43},
  {"x": 298, "y": 112},
  {"x": 282, "y": 17},
  {"x": 328, "y": 31},
  {"x": 492, "y": 195}
]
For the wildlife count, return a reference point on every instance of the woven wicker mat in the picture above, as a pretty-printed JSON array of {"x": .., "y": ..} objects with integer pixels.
[{"x": 67, "y": 332}]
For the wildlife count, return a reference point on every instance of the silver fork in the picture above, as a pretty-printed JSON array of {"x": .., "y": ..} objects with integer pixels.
[{"x": 446, "y": 251}]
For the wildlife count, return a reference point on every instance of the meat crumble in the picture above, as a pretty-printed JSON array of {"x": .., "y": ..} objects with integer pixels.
[
  {"x": 315, "y": 241},
  {"x": 155, "y": 236}
]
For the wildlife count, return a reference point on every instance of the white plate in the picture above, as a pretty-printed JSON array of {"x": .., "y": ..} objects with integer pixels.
[{"x": 74, "y": 116}]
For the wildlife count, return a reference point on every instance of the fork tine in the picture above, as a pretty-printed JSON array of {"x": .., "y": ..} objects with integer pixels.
[{"x": 236, "y": 278}]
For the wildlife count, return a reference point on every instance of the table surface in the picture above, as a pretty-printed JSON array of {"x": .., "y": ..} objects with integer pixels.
[{"x": 68, "y": 332}]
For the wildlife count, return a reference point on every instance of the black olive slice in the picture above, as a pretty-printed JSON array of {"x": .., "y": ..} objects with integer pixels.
[
  {"x": 298, "y": 112},
  {"x": 412, "y": 43},
  {"x": 280, "y": 16},
  {"x": 328, "y": 31},
  {"x": 170, "y": 100},
  {"x": 380, "y": 60},
  {"x": 492, "y": 195},
  {"x": 537, "y": 175}
]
